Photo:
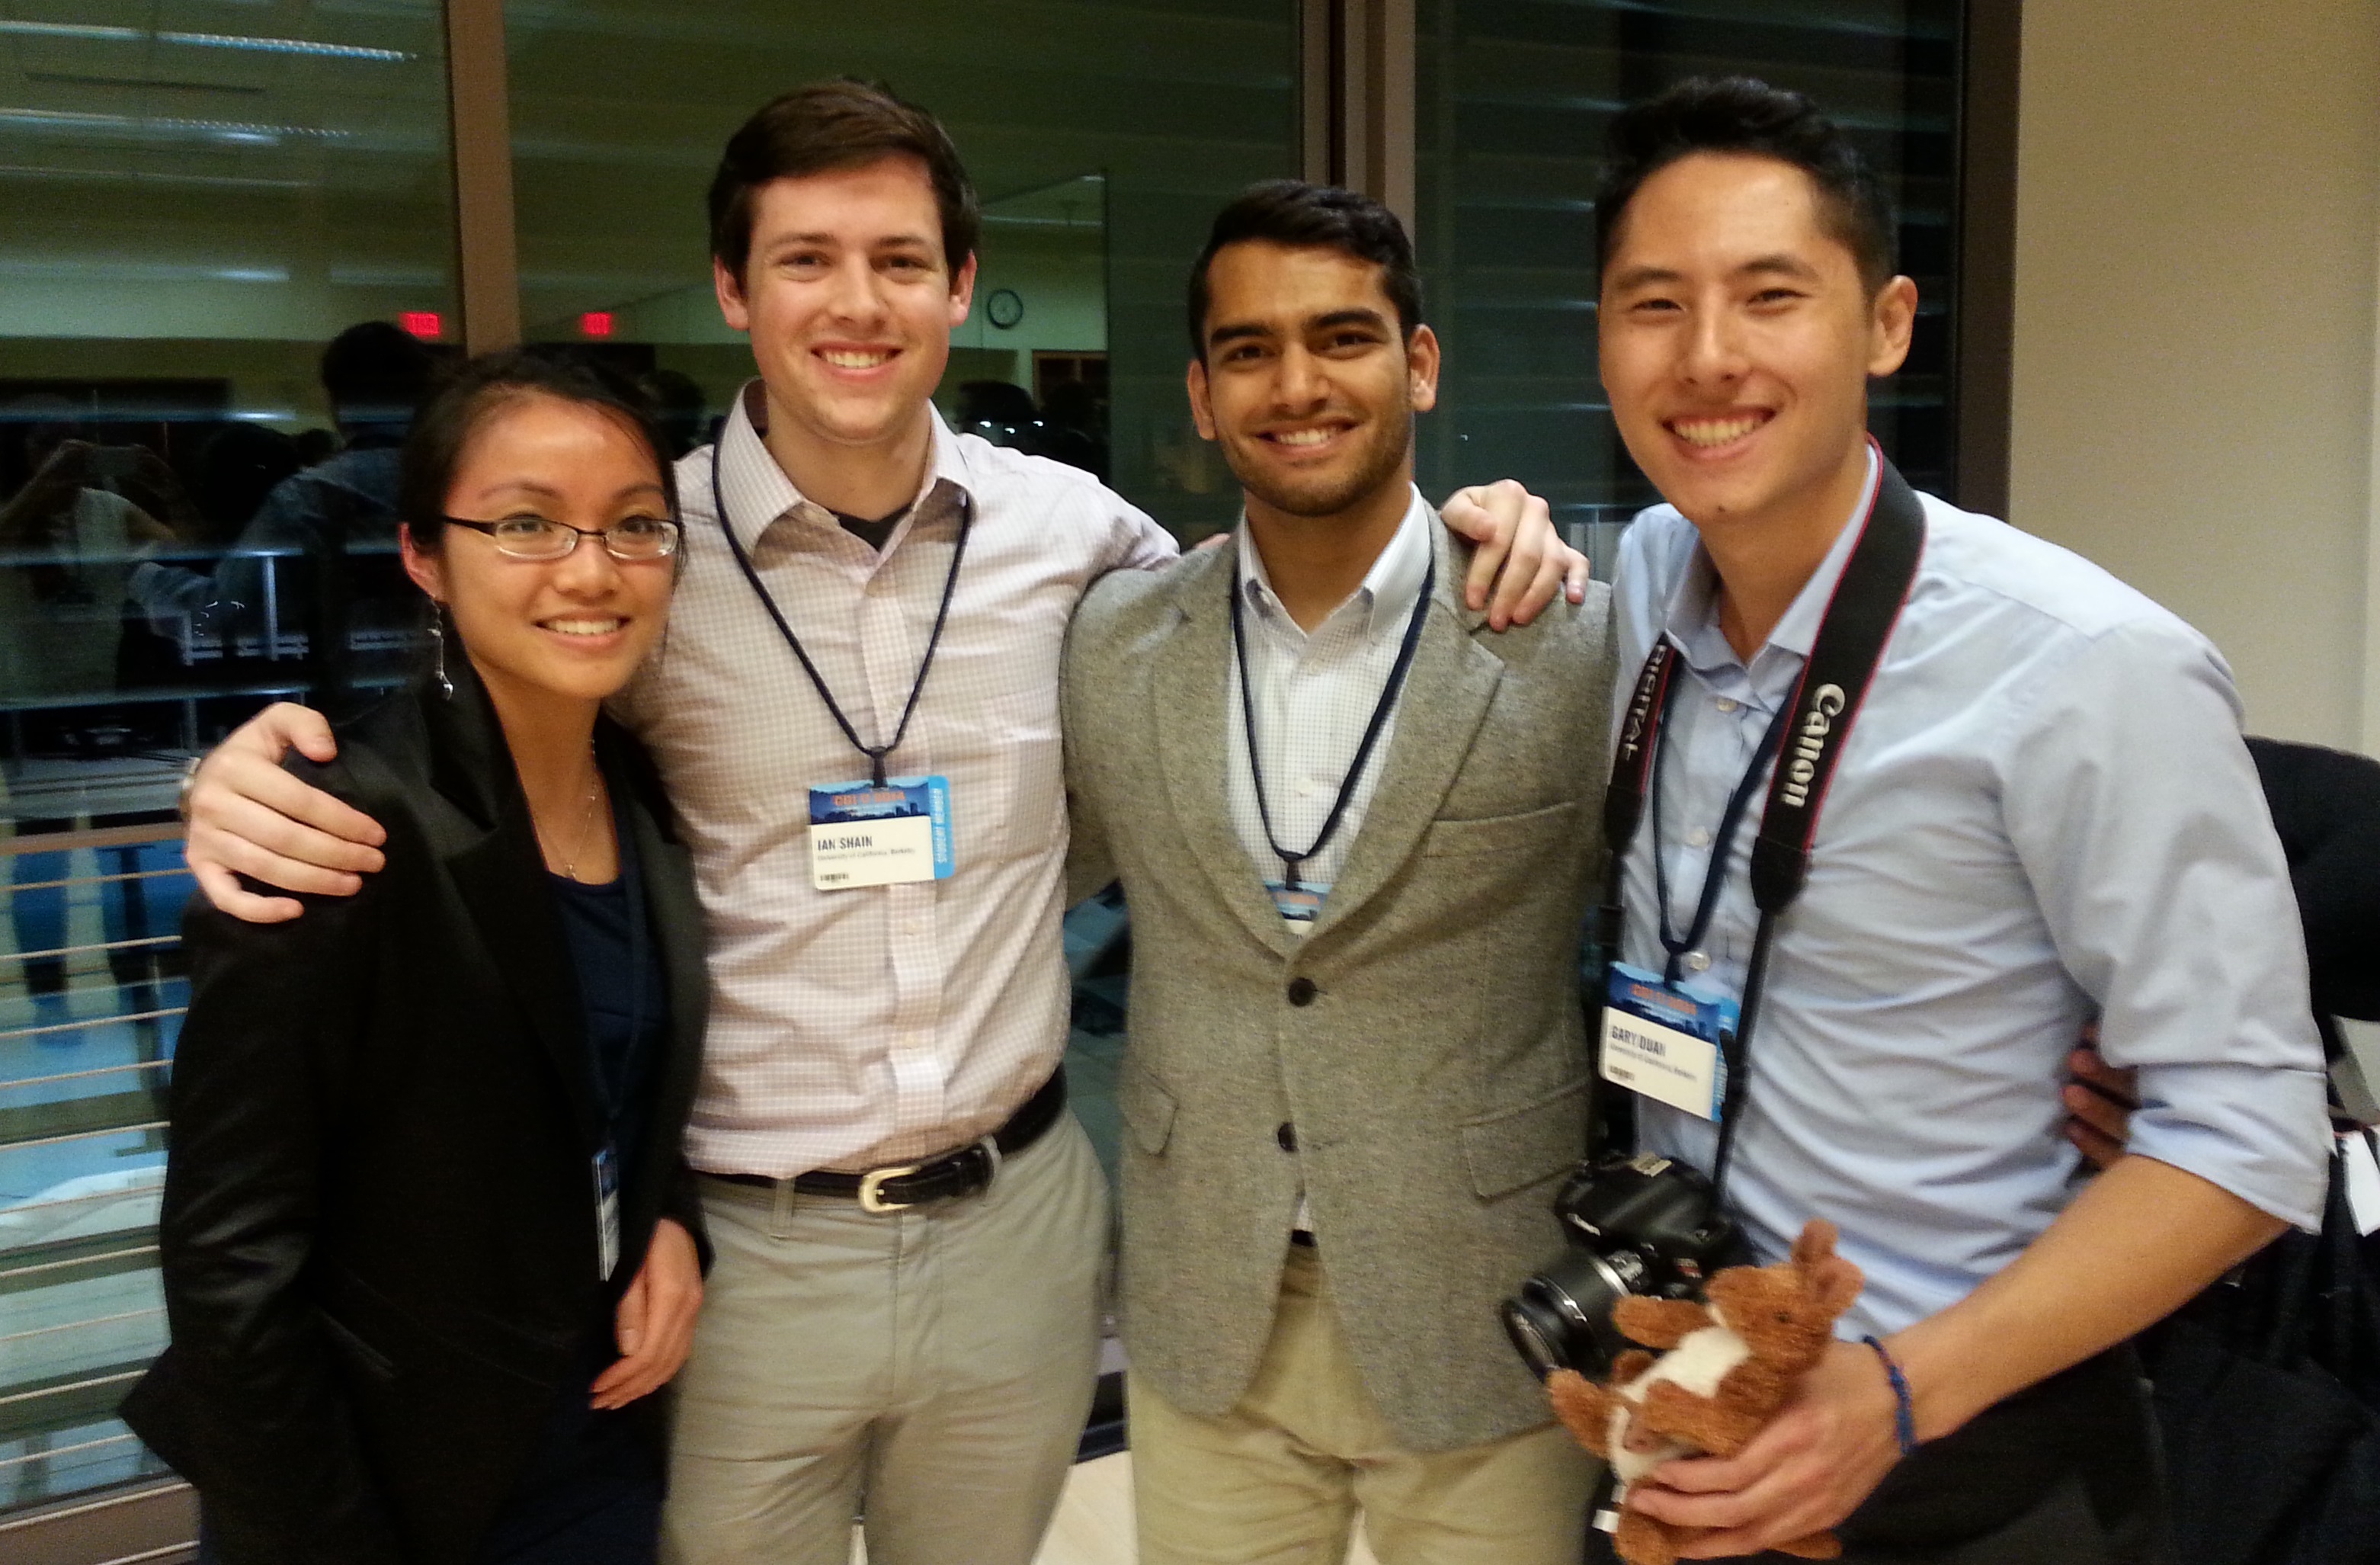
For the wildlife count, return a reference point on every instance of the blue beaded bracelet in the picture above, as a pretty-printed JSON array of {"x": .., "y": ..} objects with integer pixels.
[{"x": 1905, "y": 1414}]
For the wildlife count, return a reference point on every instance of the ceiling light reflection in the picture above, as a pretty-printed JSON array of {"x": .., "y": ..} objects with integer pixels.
[{"x": 243, "y": 42}]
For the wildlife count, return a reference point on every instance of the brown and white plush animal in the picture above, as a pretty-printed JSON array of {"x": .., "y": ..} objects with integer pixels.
[{"x": 1727, "y": 1367}]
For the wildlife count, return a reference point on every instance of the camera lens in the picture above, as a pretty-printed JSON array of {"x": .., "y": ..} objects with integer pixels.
[{"x": 1561, "y": 1319}]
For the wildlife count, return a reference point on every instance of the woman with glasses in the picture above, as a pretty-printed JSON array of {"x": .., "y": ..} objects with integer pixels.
[{"x": 428, "y": 1242}]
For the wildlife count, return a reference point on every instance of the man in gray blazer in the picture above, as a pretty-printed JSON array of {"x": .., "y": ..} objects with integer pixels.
[{"x": 1358, "y": 833}]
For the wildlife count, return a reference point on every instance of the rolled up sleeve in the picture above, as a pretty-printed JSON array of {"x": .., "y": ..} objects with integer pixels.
[{"x": 2136, "y": 812}]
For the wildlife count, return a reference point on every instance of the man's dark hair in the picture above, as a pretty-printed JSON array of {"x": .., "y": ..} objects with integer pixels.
[
  {"x": 375, "y": 373},
  {"x": 1737, "y": 114},
  {"x": 1292, "y": 212},
  {"x": 485, "y": 386},
  {"x": 834, "y": 125}
]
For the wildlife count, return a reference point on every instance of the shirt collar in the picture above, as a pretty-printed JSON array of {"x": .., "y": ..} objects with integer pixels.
[
  {"x": 1388, "y": 589},
  {"x": 759, "y": 494},
  {"x": 1693, "y": 622}
]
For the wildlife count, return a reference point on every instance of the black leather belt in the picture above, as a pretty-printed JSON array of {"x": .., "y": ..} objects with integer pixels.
[{"x": 968, "y": 1171}]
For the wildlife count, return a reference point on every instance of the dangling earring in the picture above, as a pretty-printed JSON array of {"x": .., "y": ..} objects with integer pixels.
[{"x": 438, "y": 649}]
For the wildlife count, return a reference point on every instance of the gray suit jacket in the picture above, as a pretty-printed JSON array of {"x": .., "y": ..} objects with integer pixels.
[{"x": 1424, "y": 1039}]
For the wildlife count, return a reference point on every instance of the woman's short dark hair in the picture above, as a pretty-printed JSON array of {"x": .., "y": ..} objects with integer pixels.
[
  {"x": 1292, "y": 212},
  {"x": 485, "y": 386},
  {"x": 832, "y": 125},
  {"x": 1738, "y": 114}
]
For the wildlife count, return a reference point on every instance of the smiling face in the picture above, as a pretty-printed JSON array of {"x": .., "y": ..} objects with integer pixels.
[
  {"x": 1737, "y": 339},
  {"x": 575, "y": 627},
  {"x": 850, "y": 302},
  {"x": 1308, "y": 383}
]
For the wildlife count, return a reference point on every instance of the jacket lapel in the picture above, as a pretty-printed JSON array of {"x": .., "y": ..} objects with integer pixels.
[
  {"x": 1190, "y": 689},
  {"x": 1445, "y": 698},
  {"x": 500, "y": 874}
]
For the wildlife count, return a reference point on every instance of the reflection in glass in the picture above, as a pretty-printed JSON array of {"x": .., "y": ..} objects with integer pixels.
[{"x": 203, "y": 196}]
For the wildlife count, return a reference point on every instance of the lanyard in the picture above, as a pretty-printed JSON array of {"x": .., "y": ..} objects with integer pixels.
[
  {"x": 1380, "y": 710},
  {"x": 877, "y": 753},
  {"x": 1722, "y": 845},
  {"x": 1809, "y": 735}
]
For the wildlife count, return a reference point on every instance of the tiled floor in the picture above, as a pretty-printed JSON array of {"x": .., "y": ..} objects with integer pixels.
[{"x": 1094, "y": 1524}]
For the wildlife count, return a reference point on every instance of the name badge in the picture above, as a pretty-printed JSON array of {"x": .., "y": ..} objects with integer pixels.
[
  {"x": 1664, "y": 1041},
  {"x": 863, "y": 834},
  {"x": 1299, "y": 905},
  {"x": 607, "y": 1214},
  {"x": 2362, "y": 1181}
]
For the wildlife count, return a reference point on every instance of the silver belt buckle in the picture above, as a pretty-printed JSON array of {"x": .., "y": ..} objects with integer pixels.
[{"x": 873, "y": 1180}]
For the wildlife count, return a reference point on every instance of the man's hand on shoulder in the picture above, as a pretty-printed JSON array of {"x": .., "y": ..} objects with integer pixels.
[
  {"x": 249, "y": 817},
  {"x": 1821, "y": 1456},
  {"x": 1520, "y": 560}
]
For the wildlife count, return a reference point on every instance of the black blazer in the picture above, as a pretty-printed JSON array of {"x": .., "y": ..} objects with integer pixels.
[{"x": 379, "y": 1237}]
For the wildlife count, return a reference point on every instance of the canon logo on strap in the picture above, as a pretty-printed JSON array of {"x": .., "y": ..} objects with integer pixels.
[{"x": 1802, "y": 767}]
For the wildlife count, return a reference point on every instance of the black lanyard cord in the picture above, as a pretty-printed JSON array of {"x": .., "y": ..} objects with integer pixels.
[
  {"x": 875, "y": 753},
  {"x": 1722, "y": 845},
  {"x": 1380, "y": 710}
]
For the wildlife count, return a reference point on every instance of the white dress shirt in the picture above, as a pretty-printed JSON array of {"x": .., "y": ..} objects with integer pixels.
[
  {"x": 857, "y": 1028},
  {"x": 1314, "y": 692}
]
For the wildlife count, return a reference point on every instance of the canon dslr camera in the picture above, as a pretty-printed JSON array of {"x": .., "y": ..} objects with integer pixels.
[{"x": 1635, "y": 1225}]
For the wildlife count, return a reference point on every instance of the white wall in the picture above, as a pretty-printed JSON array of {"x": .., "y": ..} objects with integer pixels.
[{"x": 2197, "y": 259}]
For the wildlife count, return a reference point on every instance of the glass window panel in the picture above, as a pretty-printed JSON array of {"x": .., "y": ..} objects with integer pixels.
[
  {"x": 1102, "y": 137},
  {"x": 201, "y": 195},
  {"x": 1513, "y": 100}
]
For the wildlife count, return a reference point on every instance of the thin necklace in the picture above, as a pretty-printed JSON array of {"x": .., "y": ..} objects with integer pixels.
[{"x": 586, "y": 821}]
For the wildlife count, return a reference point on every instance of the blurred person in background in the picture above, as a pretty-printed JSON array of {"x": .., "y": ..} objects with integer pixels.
[{"x": 374, "y": 374}]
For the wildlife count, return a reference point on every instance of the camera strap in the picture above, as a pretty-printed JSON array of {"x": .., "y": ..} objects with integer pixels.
[{"x": 1808, "y": 742}]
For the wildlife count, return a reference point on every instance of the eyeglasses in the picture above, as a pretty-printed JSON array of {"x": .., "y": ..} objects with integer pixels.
[{"x": 533, "y": 537}]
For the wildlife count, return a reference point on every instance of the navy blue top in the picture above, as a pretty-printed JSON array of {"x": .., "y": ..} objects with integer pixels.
[
  {"x": 600, "y": 1470},
  {"x": 625, "y": 993}
]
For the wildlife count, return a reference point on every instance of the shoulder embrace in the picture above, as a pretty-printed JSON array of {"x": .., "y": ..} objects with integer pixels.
[
  {"x": 1126, "y": 601},
  {"x": 369, "y": 771},
  {"x": 1574, "y": 633}
]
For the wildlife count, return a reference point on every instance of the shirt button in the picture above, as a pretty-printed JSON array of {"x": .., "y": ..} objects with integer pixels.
[
  {"x": 1308, "y": 788},
  {"x": 1726, "y": 704},
  {"x": 1301, "y": 991},
  {"x": 1698, "y": 838},
  {"x": 1285, "y": 1135},
  {"x": 1697, "y": 961}
]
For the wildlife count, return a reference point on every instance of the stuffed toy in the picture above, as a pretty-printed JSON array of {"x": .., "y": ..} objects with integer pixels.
[{"x": 1727, "y": 1368}]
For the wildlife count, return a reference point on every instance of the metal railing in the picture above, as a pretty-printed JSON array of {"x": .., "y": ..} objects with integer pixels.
[{"x": 91, "y": 1000}]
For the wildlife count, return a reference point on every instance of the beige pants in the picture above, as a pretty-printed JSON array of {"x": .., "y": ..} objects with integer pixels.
[
  {"x": 1279, "y": 1480},
  {"x": 932, "y": 1368}
]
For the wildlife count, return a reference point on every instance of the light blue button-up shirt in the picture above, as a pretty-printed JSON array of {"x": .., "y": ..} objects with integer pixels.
[{"x": 2044, "y": 813}]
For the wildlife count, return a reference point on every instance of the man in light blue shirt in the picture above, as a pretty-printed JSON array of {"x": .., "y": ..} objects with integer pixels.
[{"x": 2043, "y": 813}]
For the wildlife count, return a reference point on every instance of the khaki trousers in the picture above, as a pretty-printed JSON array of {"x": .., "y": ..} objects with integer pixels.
[
  {"x": 932, "y": 1368},
  {"x": 1279, "y": 1480}
]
